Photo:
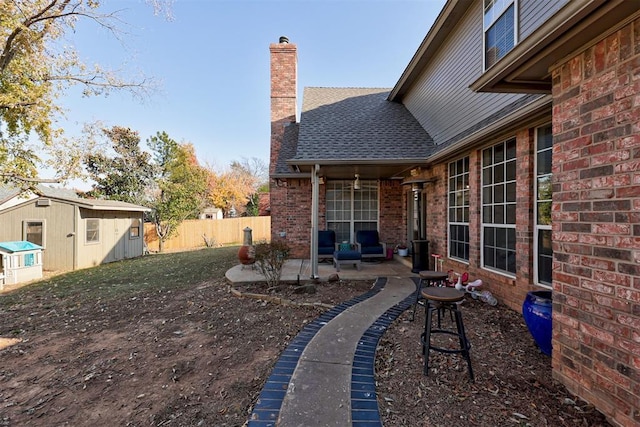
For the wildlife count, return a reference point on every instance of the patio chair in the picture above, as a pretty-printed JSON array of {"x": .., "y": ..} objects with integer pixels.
[
  {"x": 326, "y": 244},
  {"x": 369, "y": 244}
]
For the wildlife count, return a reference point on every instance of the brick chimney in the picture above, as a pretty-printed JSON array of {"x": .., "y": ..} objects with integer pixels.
[{"x": 284, "y": 76}]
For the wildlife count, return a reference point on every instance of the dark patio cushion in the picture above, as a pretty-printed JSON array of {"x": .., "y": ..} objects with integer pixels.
[
  {"x": 374, "y": 249},
  {"x": 347, "y": 255},
  {"x": 327, "y": 238},
  {"x": 367, "y": 237},
  {"x": 326, "y": 250}
]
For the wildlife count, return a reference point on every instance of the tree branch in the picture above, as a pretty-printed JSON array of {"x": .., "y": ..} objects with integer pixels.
[{"x": 27, "y": 179}]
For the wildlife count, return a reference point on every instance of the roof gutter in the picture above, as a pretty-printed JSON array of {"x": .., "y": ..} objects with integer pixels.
[{"x": 351, "y": 162}]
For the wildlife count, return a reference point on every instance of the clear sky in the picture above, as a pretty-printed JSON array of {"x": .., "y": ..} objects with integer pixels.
[{"x": 212, "y": 63}]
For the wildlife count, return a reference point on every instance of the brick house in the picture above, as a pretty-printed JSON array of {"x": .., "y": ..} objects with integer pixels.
[{"x": 512, "y": 143}]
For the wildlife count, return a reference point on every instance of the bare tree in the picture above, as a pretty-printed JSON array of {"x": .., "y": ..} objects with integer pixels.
[{"x": 35, "y": 70}]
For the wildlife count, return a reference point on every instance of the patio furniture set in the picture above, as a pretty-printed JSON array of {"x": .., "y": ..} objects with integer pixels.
[{"x": 366, "y": 246}]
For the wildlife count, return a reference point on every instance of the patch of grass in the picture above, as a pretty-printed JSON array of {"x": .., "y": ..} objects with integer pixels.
[{"x": 148, "y": 273}]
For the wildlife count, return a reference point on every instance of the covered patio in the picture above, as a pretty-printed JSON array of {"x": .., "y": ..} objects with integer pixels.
[{"x": 300, "y": 270}]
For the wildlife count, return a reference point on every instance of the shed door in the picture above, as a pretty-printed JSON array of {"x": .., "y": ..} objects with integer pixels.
[{"x": 116, "y": 230}]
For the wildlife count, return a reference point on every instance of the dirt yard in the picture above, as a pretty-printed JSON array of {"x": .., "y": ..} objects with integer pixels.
[{"x": 197, "y": 355}]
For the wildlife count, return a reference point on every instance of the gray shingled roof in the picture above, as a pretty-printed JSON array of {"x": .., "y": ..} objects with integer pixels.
[
  {"x": 358, "y": 124},
  {"x": 287, "y": 149}
]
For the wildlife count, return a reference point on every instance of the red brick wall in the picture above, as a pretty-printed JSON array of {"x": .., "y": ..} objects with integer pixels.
[
  {"x": 509, "y": 291},
  {"x": 392, "y": 218},
  {"x": 596, "y": 225},
  {"x": 283, "y": 112},
  {"x": 293, "y": 220},
  {"x": 436, "y": 210},
  {"x": 283, "y": 94}
]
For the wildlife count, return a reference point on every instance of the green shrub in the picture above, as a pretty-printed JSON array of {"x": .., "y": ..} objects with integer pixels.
[{"x": 270, "y": 258}]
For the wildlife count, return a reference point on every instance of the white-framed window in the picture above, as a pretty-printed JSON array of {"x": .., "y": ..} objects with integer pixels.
[
  {"x": 543, "y": 252},
  {"x": 499, "y": 207},
  {"x": 135, "y": 229},
  {"x": 500, "y": 29},
  {"x": 350, "y": 210},
  {"x": 92, "y": 230},
  {"x": 459, "y": 209},
  {"x": 33, "y": 230}
]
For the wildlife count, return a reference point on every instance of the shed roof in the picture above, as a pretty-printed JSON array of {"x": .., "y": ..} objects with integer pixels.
[{"x": 70, "y": 196}]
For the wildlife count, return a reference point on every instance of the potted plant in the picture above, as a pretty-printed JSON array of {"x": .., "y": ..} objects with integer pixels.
[
  {"x": 402, "y": 249},
  {"x": 537, "y": 312}
]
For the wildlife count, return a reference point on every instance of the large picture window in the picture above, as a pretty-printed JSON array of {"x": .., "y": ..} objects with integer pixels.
[
  {"x": 499, "y": 29},
  {"x": 543, "y": 249},
  {"x": 459, "y": 209},
  {"x": 93, "y": 230},
  {"x": 499, "y": 207},
  {"x": 350, "y": 210}
]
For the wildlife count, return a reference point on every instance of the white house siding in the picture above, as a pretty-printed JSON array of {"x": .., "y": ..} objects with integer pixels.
[{"x": 533, "y": 13}]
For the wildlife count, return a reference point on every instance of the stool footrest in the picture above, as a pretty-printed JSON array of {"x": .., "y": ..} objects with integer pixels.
[{"x": 444, "y": 350}]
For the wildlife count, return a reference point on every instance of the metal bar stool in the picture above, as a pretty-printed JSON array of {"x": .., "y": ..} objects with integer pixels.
[
  {"x": 443, "y": 298},
  {"x": 427, "y": 278}
]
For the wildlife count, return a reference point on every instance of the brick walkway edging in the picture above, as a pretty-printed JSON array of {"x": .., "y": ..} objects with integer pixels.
[{"x": 364, "y": 404}]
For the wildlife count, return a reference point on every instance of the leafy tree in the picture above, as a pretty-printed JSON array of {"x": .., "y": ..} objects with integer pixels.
[
  {"x": 181, "y": 182},
  {"x": 125, "y": 176},
  {"x": 238, "y": 186},
  {"x": 35, "y": 69}
]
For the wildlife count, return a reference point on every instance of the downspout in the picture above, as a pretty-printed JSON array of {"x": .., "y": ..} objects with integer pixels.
[{"x": 315, "y": 190}]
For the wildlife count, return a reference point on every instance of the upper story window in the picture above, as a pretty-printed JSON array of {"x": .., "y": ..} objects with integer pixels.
[{"x": 499, "y": 29}]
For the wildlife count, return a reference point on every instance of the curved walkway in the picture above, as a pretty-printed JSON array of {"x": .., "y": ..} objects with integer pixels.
[{"x": 325, "y": 377}]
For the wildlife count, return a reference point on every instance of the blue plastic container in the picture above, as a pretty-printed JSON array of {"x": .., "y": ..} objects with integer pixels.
[{"x": 536, "y": 311}]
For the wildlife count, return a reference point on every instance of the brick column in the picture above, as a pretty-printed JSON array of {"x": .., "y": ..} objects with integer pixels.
[
  {"x": 596, "y": 225},
  {"x": 283, "y": 112}
]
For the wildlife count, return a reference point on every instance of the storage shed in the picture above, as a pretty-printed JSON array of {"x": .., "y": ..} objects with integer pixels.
[
  {"x": 74, "y": 232},
  {"x": 20, "y": 261}
]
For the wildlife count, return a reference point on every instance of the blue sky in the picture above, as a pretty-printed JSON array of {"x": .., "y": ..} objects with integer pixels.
[{"x": 212, "y": 63}]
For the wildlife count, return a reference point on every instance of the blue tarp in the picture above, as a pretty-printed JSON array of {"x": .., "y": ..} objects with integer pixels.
[{"x": 19, "y": 246}]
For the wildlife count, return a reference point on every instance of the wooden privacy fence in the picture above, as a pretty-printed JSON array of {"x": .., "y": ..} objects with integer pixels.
[{"x": 226, "y": 231}]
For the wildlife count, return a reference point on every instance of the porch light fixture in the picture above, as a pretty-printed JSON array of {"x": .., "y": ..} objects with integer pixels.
[{"x": 356, "y": 183}]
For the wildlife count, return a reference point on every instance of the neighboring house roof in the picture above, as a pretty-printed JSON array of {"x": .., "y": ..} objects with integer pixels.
[
  {"x": 46, "y": 191},
  {"x": 7, "y": 192},
  {"x": 348, "y": 125}
]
